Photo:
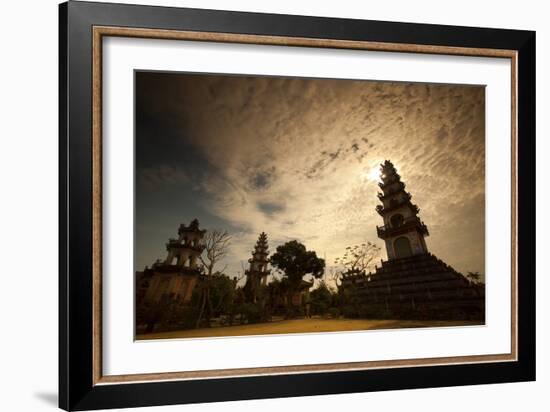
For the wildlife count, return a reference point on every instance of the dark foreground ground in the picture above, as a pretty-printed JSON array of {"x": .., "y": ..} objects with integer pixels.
[{"x": 303, "y": 326}]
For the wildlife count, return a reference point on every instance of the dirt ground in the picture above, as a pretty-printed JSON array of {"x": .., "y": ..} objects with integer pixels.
[{"x": 301, "y": 326}]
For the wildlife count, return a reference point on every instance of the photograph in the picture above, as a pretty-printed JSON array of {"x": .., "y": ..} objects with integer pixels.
[
  {"x": 282, "y": 205},
  {"x": 278, "y": 205}
]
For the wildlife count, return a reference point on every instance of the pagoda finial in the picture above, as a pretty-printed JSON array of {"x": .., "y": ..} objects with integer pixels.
[{"x": 261, "y": 243}]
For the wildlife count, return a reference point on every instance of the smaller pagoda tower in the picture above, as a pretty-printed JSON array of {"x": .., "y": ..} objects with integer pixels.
[
  {"x": 186, "y": 249},
  {"x": 175, "y": 278},
  {"x": 257, "y": 273},
  {"x": 403, "y": 231}
]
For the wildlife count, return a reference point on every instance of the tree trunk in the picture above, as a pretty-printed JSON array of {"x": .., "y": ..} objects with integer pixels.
[
  {"x": 290, "y": 305},
  {"x": 208, "y": 306},
  {"x": 203, "y": 305}
]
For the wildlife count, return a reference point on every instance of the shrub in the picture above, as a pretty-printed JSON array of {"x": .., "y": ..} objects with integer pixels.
[
  {"x": 188, "y": 317},
  {"x": 251, "y": 312},
  {"x": 350, "y": 311},
  {"x": 319, "y": 308},
  {"x": 321, "y": 299},
  {"x": 334, "y": 313},
  {"x": 293, "y": 312}
]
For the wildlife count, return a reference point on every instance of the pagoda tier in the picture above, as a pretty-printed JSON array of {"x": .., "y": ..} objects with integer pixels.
[
  {"x": 408, "y": 224},
  {"x": 178, "y": 244},
  {"x": 259, "y": 258},
  {"x": 416, "y": 287},
  {"x": 404, "y": 201},
  {"x": 388, "y": 190}
]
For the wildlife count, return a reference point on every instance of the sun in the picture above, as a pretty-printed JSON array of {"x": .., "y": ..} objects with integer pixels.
[{"x": 372, "y": 174}]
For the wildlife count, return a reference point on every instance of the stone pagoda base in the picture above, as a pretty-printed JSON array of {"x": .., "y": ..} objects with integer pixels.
[{"x": 416, "y": 287}]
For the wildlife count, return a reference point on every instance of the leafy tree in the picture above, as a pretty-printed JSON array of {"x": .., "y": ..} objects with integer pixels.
[
  {"x": 295, "y": 262},
  {"x": 222, "y": 294},
  {"x": 321, "y": 299},
  {"x": 276, "y": 290}
]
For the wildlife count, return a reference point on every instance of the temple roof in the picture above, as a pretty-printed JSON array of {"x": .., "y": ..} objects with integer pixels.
[{"x": 193, "y": 227}]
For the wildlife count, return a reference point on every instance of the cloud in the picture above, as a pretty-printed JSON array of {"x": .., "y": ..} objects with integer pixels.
[
  {"x": 290, "y": 157},
  {"x": 161, "y": 176},
  {"x": 271, "y": 208}
]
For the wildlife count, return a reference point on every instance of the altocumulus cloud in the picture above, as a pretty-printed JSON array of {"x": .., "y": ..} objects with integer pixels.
[{"x": 292, "y": 157}]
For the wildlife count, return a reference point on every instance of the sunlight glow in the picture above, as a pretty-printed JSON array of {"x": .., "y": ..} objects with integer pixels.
[{"x": 373, "y": 174}]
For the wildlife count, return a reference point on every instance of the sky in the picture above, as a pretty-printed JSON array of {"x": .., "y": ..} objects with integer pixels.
[{"x": 298, "y": 158}]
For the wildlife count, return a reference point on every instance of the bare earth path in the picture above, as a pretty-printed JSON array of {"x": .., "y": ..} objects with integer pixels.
[{"x": 302, "y": 326}]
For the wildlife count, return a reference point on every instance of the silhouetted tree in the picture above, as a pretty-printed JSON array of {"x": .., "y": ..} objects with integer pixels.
[
  {"x": 216, "y": 246},
  {"x": 321, "y": 299},
  {"x": 276, "y": 290},
  {"x": 359, "y": 258},
  {"x": 295, "y": 262}
]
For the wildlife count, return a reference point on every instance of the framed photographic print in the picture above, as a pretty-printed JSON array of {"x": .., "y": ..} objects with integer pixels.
[{"x": 257, "y": 205}]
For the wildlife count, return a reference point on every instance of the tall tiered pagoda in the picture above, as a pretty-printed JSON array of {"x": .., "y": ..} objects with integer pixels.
[
  {"x": 403, "y": 231},
  {"x": 258, "y": 272},
  {"x": 176, "y": 276},
  {"x": 412, "y": 283}
]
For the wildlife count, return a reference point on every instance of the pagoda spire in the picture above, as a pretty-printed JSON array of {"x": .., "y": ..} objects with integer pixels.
[
  {"x": 257, "y": 273},
  {"x": 403, "y": 231}
]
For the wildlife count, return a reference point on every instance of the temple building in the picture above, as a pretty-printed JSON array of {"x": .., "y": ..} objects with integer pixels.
[
  {"x": 412, "y": 283},
  {"x": 176, "y": 276},
  {"x": 257, "y": 272}
]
